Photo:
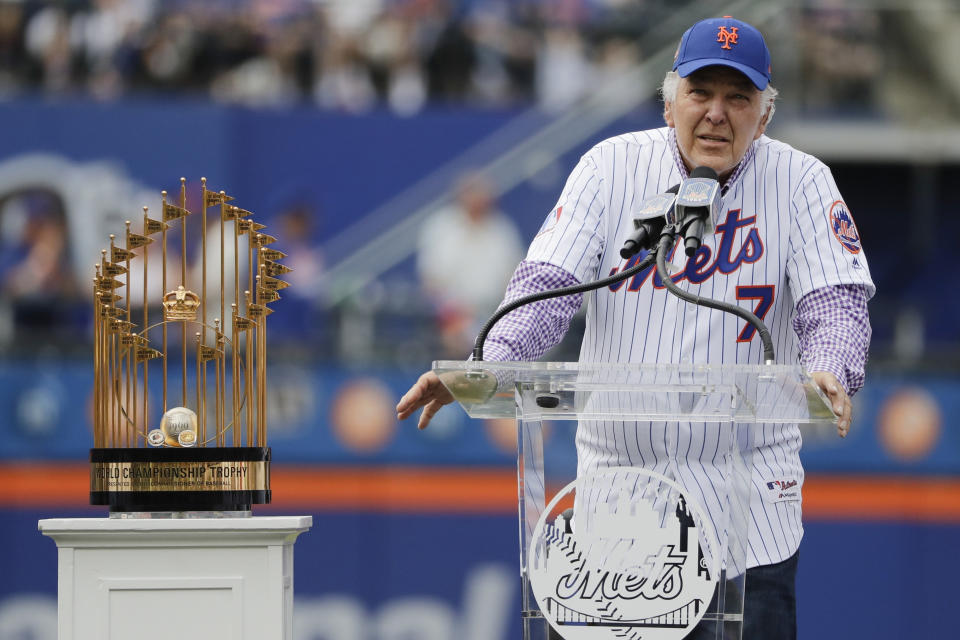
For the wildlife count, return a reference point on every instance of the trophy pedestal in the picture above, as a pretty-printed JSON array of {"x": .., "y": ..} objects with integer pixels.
[{"x": 211, "y": 578}]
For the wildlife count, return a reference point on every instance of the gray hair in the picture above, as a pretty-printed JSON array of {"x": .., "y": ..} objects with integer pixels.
[{"x": 671, "y": 83}]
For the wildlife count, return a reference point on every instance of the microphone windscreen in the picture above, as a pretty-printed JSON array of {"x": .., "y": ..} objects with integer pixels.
[{"x": 704, "y": 172}]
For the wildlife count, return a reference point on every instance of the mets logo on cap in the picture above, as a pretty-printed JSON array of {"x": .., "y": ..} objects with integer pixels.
[
  {"x": 845, "y": 230},
  {"x": 727, "y": 38}
]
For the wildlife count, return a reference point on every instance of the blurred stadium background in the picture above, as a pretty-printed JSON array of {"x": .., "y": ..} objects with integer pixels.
[{"x": 352, "y": 128}]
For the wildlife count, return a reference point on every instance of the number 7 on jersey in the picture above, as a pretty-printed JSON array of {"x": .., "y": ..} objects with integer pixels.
[{"x": 763, "y": 293}]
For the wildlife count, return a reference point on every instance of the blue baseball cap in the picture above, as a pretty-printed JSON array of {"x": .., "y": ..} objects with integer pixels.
[{"x": 727, "y": 42}]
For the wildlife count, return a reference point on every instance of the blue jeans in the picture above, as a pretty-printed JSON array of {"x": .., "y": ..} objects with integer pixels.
[{"x": 769, "y": 608}]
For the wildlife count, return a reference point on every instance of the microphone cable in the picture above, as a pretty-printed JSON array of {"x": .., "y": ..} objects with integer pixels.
[
  {"x": 666, "y": 239},
  {"x": 556, "y": 293},
  {"x": 656, "y": 255}
]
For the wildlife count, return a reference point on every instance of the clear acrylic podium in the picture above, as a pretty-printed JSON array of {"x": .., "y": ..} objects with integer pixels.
[{"x": 549, "y": 400}]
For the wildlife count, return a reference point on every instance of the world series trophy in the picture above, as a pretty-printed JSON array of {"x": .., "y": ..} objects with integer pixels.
[{"x": 203, "y": 446}]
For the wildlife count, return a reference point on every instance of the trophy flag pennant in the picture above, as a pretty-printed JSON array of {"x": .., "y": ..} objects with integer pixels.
[
  {"x": 173, "y": 212},
  {"x": 263, "y": 239},
  {"x": 146, "y": 353},
  {"x": 214, "y": 197},
  {"x": 240, "y": 323},
  {"x": 110, "y": 269},
  {"x": 107, "y": 283},
  {"x": 249, "y": 225},
  {"x": 208, "y": 353},
  {"x": 266, "y": 295},
  {"x": 119, "y": 254},
  {"x": 151, "y": 226},
  {"x": 135, "y": 241},
  {"x": 106, "y": 311},
  {"x": 120, "y": 326},
  {"x": 235, "y": 213},
  {"x": 258, "y": 310},
  {"x": 275, "y": 268},
  {"x": 272, "y": 254},
  {"x": 273, "y": 284}
]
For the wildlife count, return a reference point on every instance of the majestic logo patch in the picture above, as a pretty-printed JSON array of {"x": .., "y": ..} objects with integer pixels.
[
  {"x": 727, "y": 37},
  {"x": 783, "y": 490},
  {"x": 637, "y": 560},
  {"x": 841, "y": 222}
]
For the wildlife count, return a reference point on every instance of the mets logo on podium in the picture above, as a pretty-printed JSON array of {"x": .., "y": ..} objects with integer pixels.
[
  {"x": 634, "y": 558},
  {"x": 841, "y": 222}
]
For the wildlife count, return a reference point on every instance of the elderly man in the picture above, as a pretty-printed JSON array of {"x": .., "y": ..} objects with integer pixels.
[{"x": 785, "y": 247}]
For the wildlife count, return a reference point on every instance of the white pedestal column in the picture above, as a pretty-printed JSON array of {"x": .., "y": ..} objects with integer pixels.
[{"x": 204, "y": 578}]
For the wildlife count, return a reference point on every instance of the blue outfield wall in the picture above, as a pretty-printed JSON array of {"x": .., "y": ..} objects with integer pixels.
[
  {"x": 903, "y": 424},
  {"x": 435, "y": 573},
  {"x": 370, "y": 576}
]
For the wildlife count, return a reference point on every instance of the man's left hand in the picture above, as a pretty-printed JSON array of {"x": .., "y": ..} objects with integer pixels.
[{"x": 839, "y": 399}]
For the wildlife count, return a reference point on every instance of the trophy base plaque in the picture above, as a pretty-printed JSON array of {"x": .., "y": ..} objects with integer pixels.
[{"x": 180, "y": 479}]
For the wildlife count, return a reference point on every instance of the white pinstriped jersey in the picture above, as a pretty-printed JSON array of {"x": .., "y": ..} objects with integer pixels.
[{"x": 782, "y": 232}]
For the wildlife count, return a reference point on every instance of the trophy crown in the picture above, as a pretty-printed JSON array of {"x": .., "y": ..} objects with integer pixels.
[{"x": 181, "y": 304}]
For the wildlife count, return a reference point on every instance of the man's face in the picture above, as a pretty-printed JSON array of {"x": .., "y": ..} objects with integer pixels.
[{"x": 716, "y": 115}]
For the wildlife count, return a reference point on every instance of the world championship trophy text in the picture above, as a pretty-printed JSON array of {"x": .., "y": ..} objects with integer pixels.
[{"x": 196, "y": 340}]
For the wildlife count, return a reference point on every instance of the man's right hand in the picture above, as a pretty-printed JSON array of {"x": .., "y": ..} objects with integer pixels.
[{"x": 428, "y": 392}]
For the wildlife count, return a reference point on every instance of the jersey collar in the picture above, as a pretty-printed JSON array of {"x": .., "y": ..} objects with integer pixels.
[{"x": 727, "y": 184}]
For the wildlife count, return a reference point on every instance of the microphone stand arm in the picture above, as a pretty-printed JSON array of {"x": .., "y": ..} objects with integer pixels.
[{"x": 667, "y": 239}]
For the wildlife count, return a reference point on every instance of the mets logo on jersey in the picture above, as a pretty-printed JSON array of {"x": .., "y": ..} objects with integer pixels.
[{"x": 841, "y": 222}]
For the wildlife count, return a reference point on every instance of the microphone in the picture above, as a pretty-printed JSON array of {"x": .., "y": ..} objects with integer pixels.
[
  {"x": 693, "y": 213},
  {"x": 649, "y": 221}
]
